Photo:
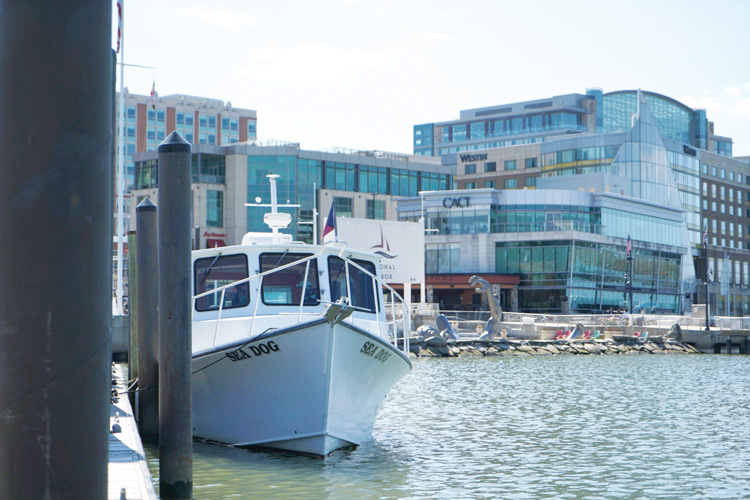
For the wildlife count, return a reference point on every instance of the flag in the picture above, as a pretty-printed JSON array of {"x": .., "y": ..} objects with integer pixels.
[
  {"x": 119, "y": 24},
  {"x": 153, "y": 95},
  {"x": 705, "y": 236},
  {"x": 629, "y": 247},
  {"x": 331, "y": 222}
]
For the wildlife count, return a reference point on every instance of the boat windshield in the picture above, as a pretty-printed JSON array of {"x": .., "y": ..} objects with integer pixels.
[
  {"x": 360, "y": 283},
  {"x": 284, "y": 288},
  {"x": 211, "y": 273}
]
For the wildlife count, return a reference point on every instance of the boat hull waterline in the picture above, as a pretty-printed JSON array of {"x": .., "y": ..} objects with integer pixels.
[{"x": 311, "y": 388}]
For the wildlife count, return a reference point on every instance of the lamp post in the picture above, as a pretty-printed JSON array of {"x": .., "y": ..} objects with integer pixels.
[{"x": 709, "y": 273}]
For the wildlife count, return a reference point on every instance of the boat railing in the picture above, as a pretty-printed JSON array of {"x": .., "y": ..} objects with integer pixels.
[{"x": 402, "y": 343}]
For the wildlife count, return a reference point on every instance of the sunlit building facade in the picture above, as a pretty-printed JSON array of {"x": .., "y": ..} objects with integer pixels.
[
  {"x": 540, "y": 120},
  {"x": 228, "y": 180},
  {"x": 654, "y": 151}
]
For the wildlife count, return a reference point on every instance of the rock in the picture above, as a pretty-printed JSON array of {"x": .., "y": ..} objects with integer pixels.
[
  {"x": 592, "y": 348},
  {"x": 471, "y": 352},
  {"x": 439, "y": 350},
  {"x": 436, "y": 341},
  {"x": 424, "y": 353},
  {"x": 552, "y": 349}
]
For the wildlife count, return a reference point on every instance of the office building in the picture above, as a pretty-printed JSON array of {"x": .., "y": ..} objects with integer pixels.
[
  {"x": 655, "y": 153},
  {"x": 362, "y": 184}
]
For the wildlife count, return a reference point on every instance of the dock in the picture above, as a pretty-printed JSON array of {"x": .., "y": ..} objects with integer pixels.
[{"x": 128, "y": 467}]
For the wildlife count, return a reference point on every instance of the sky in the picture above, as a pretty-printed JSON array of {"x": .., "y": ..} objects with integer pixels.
[{"x": 360, "y": 74}]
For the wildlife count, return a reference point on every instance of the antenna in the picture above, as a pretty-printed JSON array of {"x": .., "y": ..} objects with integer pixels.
[{"x": 274, "y": 219}]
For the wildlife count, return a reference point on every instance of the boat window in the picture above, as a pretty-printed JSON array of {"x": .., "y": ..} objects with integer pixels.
[
  {"x": 360, "y": 283},
  {"x": 284, "y": 288},
  {"x": 214, "y": 272}
]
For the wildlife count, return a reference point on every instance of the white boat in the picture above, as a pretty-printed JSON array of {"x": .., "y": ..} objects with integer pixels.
[{"x": 272, "y": 370}]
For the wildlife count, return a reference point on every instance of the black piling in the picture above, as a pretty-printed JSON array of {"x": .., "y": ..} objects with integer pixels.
[
  {"x": 147, "y": 292},
  {"x": 56, "y": 165},
  {"x": 175, "y": 328}
]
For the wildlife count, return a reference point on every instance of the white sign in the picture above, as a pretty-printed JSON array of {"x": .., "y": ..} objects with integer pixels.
[{"x": 399, "y": 244}]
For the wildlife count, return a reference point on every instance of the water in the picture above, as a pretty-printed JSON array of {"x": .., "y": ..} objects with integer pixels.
[{"x": 525, "y": 428}]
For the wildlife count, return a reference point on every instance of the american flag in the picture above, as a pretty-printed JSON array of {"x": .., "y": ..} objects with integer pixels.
[
  {"x": 153, "y": 94},
  {"x": 629, "y": 247},
  {"x": 119, "y": 24},
  {"x": 705, "y": 236}
]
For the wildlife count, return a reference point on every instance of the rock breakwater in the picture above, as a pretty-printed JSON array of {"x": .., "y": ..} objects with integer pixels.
[{"x": 441, "y": 348}]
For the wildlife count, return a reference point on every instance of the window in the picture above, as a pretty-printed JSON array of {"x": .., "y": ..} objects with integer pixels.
[
  {"x": 713, "y": 206},
  {"x": 511, "y": 183},
  {"x": 705, "y": 188},
  {"x": 723, "y": 227},
  {"x": 713, "y": 171},
  {"x": 343, "y": 206},
  {"x": 731, "y": 176},
  {"x": 215, "y": 208},
  {"x": 713, "y": 190},
  {"x": 470, "y": 185},
  {"x": 490, "y": 166},
  {"x": 530, "y": 163},
  {"x": 211, "y": 273},
  {"x": 470, "y": 168},
  {"x": 722, "y": 192},
  {"x": 705, "y": 204},
  {"x": 510, "y": 164},
  {"x": 375, "y": 209},
  {"x": 731, "y": 209},
  {"x": 705, "y": 169},
  {"x": 530, "y": 181},
  {"x": 723, "y": 173},
  {"x": 489, "y": 184},
  {"x": 285, "y": 287},
  {"x": 723, "y": 208},
  {"x": 360, "y": 283},
  {"x": 160, "y": 116}
]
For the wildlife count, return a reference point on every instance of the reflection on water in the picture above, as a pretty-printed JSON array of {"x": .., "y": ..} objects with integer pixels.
[{"x": 552, "y": 427}]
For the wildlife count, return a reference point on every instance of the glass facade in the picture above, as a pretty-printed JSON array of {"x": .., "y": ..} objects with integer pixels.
[
  {"x": 592, "y": 276},
  {"x": 214, "y": 208},
  {"x": 674, "y": 119},
  {"x": 299, "y": 174}
]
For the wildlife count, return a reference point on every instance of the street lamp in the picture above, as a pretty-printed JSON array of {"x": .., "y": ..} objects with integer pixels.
[{"x": 709, "y": 274}]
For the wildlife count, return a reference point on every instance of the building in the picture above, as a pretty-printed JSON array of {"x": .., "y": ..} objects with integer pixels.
[
  {"x": 227, "y": 178},
  {"x": 200, "y": 120},
  {"x": 149, "y": 119},
  {"x": 531, "y": 122},
  {"x": 653, "y": 151}
]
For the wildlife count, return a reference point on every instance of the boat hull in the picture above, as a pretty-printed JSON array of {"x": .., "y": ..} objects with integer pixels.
[{"x": 311, "y": 388}]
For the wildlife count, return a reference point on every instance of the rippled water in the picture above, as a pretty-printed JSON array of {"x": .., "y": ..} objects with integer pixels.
[{"x": 553, "y": 427}]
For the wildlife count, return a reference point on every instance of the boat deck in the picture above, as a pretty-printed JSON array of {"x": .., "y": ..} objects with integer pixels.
[{"x": 128, "y": 467}]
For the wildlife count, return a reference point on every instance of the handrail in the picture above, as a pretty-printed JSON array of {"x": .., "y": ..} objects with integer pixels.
[{"x": 347, "y": 261}]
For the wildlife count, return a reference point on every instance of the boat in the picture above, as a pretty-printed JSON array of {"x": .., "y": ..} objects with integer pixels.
[{"x": 295, "y": 346}]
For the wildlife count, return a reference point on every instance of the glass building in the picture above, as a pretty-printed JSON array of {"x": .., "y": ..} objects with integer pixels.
[
  {"x": 565, "y": 248},
  {"x": 229, "y": 180},
  {"x": 546, "y": 119}
]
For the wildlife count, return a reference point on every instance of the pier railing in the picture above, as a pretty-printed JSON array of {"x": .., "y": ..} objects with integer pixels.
[{"x": 469, "y": 320}]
